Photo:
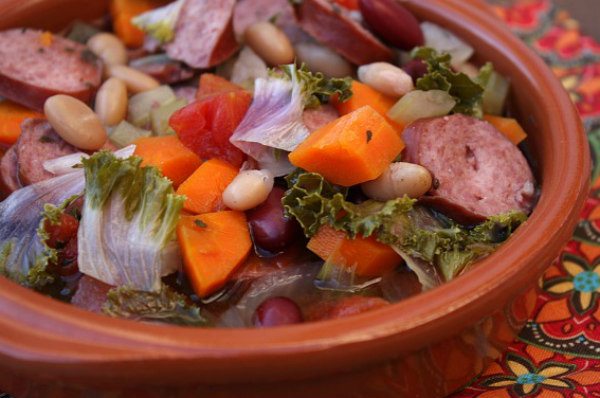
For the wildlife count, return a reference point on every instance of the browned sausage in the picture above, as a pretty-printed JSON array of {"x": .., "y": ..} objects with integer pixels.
[
  {"x": 36, "y": 65},
  {"x": 163, "y": 69},
  {"x": 9, "y": 180},
  {"x": 333, "y": 27},
  {"x": 478, "y": 172},
  {"x": 38, "y": 142},
  {"x": 281, "y": 12},
  {"x": 204, "y": 33},
  {"x": 91, "y": 294}
]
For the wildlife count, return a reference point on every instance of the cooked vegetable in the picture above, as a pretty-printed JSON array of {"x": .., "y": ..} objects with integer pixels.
[
  {"x": 141, "y": 105},
  {"x": 169, "y": 156},
  {"x": 364, "y": 95},
  {"x": 508, "y": 126},
  {"x": 160, "y": 22},
  {"x": 209, "y": 263},
  {"x": 421, "y": 104},
  {"x": 206, "y": 126},
  {"x": 139, "y": 249},
  {"x": 126, "y": 133},
  {"x": 496, "y": 89},
  {"x": 11, "y": 117},
  {"x": 211, "y": 84},
  {"x": 247, "y": 68},
  {"x": 159, "y": 117},
  {"x": 204, "y": 188},
  {"x": 467, "y": 93},
  {"x": 365, "y": 256},
  {"x": 444, "y": 41},
  {"x": 123, "y": 11},
  {"x": 166, "y": 306},
  {"x": 353, "y": 149}
]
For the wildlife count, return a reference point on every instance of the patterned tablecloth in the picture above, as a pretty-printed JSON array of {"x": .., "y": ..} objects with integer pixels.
[{"x": 558, "y": 352}]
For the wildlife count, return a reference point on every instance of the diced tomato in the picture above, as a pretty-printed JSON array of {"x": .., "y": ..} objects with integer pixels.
[
  {"x": 212, "y": 84},
  {"x": 349, "y": 4},
  {"x": 205, "y": 126},
  {"x": 62, "y": 232}
]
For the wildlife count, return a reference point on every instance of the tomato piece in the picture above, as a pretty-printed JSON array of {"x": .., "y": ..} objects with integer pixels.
[
  {"x": 205, "y": 126},
  {"x": 349, "y": 4},
  {"x": 61, "y": 232},
  {"x": 213, "y": 84}
]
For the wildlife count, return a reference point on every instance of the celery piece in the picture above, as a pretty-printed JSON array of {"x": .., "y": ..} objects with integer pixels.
[
  {"x": 419, "y": 104},
  {"x": 160, "y": 116},
  {"x": 495, "y": 93},
  {"x": 126, "y": 133},
  {"x": 140, "y": 105}
]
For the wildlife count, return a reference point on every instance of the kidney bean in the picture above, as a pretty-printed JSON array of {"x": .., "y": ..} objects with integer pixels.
[
  {"x": 394, "y": 23},
  {"x": 415, "y": 68},
  {"x": 270, "y": 228},
  {"x": 277, "y": 311},
  {"x": 62, "y": 232}
]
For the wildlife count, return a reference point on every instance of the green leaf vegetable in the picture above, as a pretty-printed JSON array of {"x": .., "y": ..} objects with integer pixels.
[
  {"x": 467, "y": 92},
  {"x": 160, "y": 23},
  {"x": 317, "y": 88},
  {"x": 126, "y": 234},
  {"x": 415, "y": 232},
  {"x": 164, "y": 305}
]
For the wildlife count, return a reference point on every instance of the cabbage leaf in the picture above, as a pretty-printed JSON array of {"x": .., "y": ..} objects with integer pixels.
[
  {"x": 160, "y": 23},
  {"x": 126, "y": 234}
]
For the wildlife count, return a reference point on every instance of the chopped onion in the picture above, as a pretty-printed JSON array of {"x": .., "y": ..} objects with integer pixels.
[
  {"x": 64, "y": 164},
  {"x": 419, "y": 104},
  {"x": 445, "y": 41},
  {"x": 140, "y": 105}
]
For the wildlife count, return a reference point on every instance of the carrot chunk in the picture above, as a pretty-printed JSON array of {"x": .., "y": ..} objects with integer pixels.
[
  {"x": 169, "y": 155},
  {"x": 213, "y": 246},
  {"x": 350, "y": 150},
  {"x": 212, "y": 84},
  {"x": 507, "y": 126},
  {"x": 370, "y": 257},
  {"x": 11, "y": 117},
  {"x": 123, "y": 10},
  {"x": 365, "y": 95},
  {"x": 204, "y": 188}
]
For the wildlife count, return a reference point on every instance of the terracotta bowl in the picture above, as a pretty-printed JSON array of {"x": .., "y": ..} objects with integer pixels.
[{"x": 426, "y": 346}]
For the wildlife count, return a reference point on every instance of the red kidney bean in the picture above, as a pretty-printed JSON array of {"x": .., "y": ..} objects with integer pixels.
[
  {"x": 277, "y": 311},
  {"x": 270, "y": 228},
  {"x": 415, "y": 68},
  {"x": 394, "y": 23},
  {"x": 63, "y": 231}
]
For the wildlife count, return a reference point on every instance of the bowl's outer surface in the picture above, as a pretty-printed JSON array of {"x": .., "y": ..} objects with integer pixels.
[{"x": 43, "y": 340}]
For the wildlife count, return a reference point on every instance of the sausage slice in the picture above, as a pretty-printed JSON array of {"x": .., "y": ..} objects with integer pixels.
[
  {"x": 332, "y": 26},
  {"x": 38, "y": 142},
  {"x": 479, "y": 172},
  {"x": 204, "y": 33},
  {"x": 36, "y": 65}
]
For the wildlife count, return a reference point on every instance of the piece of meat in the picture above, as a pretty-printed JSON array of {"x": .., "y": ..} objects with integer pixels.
[
  {"x": 90, "y": 294},
  {"x": 315, "y": 118},
  {"x": 343, "y": 307},
  {"x": 478, "y": 171},
  {"x": 204, "y": 33},
  {"x": 38, "y": 142},
  {"x": 9, "y": 179},
  {"x": 163, "y": 69},
  {"x": 332, "y": 26},
  {"x": 281, "y": 12},
  {"x": 36, "y": 65}
]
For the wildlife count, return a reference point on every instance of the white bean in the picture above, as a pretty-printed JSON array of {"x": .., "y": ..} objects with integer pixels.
[
  {"x": 386, "y": 78},
  {"x": 248, "y": 189},
  {"x": 135, "y": 80},
  {"x": 270, "y": 43},
  {"x": 111, "y": 102},
  {"x": 321, "y": 59},
  {"x": 109, "y": 48},
  {"x": 398, "y": 180},
  {"x": 75, "y": 122}
]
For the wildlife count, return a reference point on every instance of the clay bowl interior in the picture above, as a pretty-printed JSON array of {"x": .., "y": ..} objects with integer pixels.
[{"x": 43, "y": 338}]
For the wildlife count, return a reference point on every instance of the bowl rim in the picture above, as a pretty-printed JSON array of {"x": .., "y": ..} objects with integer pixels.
[{"x": 33, "y": 321}]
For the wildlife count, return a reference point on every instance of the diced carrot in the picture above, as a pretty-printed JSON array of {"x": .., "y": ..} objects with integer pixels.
[
  {"x": 123, "y": 10},
  {"x": 11, "y": 117},
  {"x": 212, "y": 84},
  {"x": 169, "y": 155},
  {"x": 213, "y": 246},
  {"x": 350, "y": 150},
  {"x": 204, "y": 188},
  {"x": 365, "y": 95},
  {"x": 46, "y": 39},
  {"x": 370, "y": 257},
  {"x": 507, "y": 126}
]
